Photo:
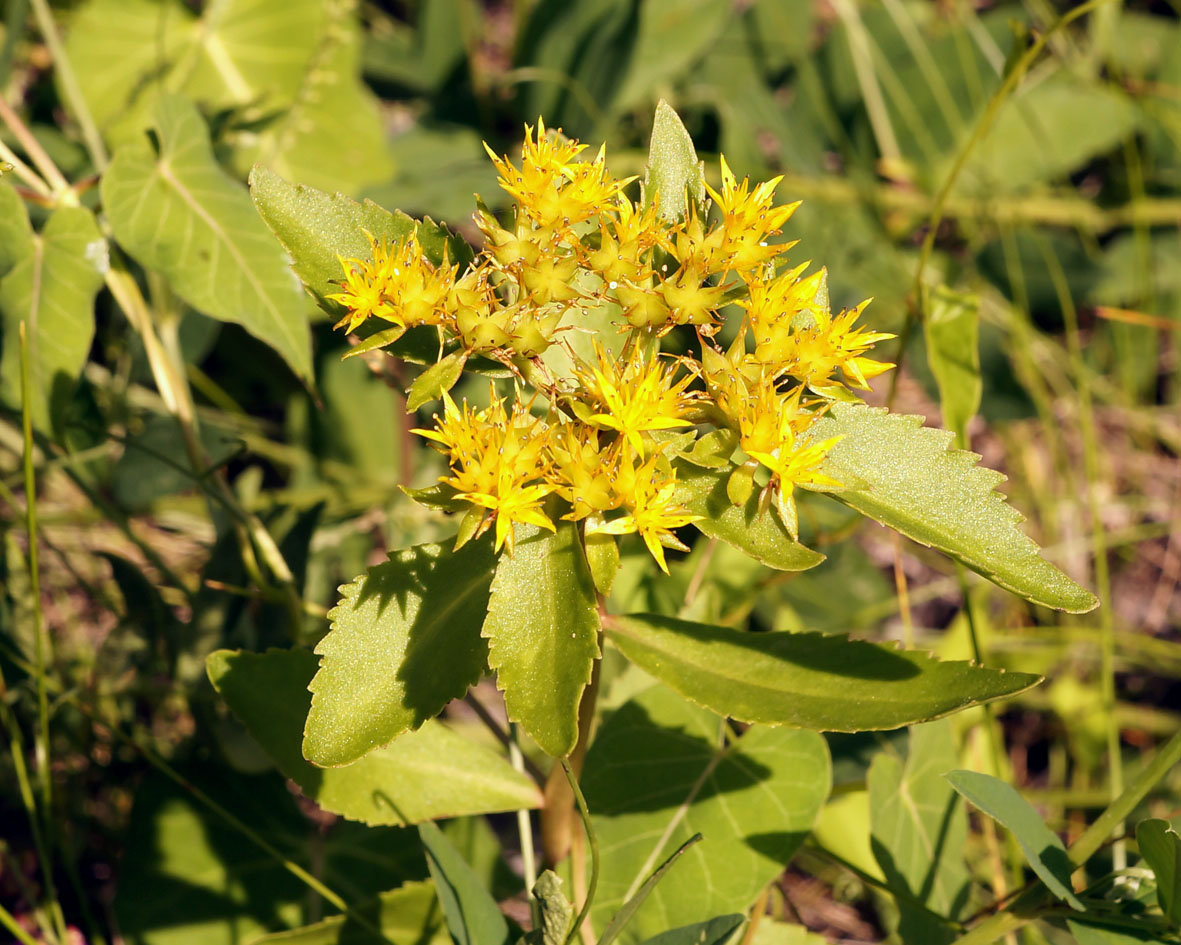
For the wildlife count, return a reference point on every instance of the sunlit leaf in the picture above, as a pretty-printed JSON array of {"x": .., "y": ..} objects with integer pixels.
[
  {"x": 473, "y": 917},
  {"x": 951, "y": 329},
  {"x": 408, "y": 915},
  {"x": 542, "y": 631},
  {"x": 674, "y": 176},
  {"x": 405, "y": 640},
  {"x": 178, "y": 213},
  {"x": 907, "y": 478},
  {"x": 48, "y": 280},
  {"x": 809, "y": 680}
]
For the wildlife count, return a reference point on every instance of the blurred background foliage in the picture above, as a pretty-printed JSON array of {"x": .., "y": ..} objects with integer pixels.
[{"x": 1060, "y": 235}]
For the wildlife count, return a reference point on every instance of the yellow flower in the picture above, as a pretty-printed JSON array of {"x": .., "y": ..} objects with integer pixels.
[
  {"x": 632, "y": 396},
  {"x": 748, "y": 219},
  {"x": 498, "y": 462},
  {"x": 647, "y": 493},
  {"x": 399, "y": 284},
  {"x": 585, "y": 473},
  {"x": 552, "y": 190}
]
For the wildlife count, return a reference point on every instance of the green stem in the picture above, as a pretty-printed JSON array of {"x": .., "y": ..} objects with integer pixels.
[
  {"x": 70, "y": 87},
  {"x": 593, "y": 839},
  {"x": 41, "y": 648},
  {"x": 524, "y": 826},
  {"x": 15, "y": 928}
]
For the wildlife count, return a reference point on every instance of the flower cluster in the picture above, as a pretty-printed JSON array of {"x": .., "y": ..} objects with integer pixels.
[{"x": 600, "y": 442}]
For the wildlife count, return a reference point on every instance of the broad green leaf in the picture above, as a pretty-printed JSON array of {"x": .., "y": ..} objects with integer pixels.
[
  {"x": 542, "y": 631},
  {"x": 809, "y": 680},
  {"x": 713, "y": 931},
  {"x": 760, "y": 535},
  {"x": 1095, "y": 933},
  {"x": 408, "y": 915},
  {"x": 48, "y": 280},
  {"x": 285, "y": 73},
  {"x": 628, "y": 910},
  {"x": 952, "y": 332},
  {"x": 673, "y": 176},
  {"x": 670, "y": 37},
  {"x": 918, "y": 830},
  {"x": 658, "y": 772},
  {"x": 602, "y": 558},
  {"x": 331, "y": 135},
  {"x": 423, "y": 775},
  {"x": 188, "y": 877},
  {"x": 405, "y": 640},
  {"x": 473, "y": 917},
  {"x": 178, "y": 213},
  {"x": 773, "y": 932},
  {"x": 1041, "y": 846},
  {"x": 318, "y": 228},
  {"x": 1161, "y": 848},
  {"x": 908, "y": 478},
  {"x": 1048, "y": 130}
]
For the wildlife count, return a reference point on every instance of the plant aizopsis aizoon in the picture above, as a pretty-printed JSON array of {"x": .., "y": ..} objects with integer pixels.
[{"x": 626, "y": 368}]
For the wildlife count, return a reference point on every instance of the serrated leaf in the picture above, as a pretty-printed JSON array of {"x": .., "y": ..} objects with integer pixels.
[
  {"x": 317, "y": 228},
  {"x": 673, "y": 176},
  {"x": 435, "y": 381},
  {"x": 408, "y": 915},
  {"x": 405, "y": 640},
  {"x": 952, "y": 329},
  {"x": 1161, "y": 848},
  {"x": 760, "y": 535},
  {"x": 907, "y": 478},
  {"x": 47, "y": 280},
  {"x": 423, "y": 775},
  {"x": 473, "y": 917},
  {"x": 810, "y": 680},
  {"x": 713, "y": 931},
  {"x": 179, "y": 214},
  {"x": 1042, "y": 847},
  {"x": 658, "y": 772},
  {"x": 542, "y": 631},
  {"x": 918, "y": 830}
]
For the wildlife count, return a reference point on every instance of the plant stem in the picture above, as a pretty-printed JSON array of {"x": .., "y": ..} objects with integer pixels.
[
  {"x": 70, "y": 87},
  {"x": 24, "y": 172},
  {"x": 15, "y": 928},
  {"x": 593, "y": 840},
  {"x": 41, "y": 647},
  {"x": 524, "y": 827},
  {"x": 58, "y": 185}
]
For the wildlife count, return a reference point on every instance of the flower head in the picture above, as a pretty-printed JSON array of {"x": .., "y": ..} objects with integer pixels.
[
  {"x": 652, "y": 512},
  {"x": 398, "y": 284}
]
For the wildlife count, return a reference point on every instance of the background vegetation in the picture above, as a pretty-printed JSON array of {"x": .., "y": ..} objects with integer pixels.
[{"x": 161, "y": 541}]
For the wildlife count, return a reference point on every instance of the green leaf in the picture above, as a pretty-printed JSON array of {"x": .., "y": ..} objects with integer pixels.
[
  {"x": 1161, "y": 848},
  {"x": 918, "y": 830},
  {"x": 673, "y": 175},
  {"x": 809, "y": 680},
  {"x": 602, "y": 558},
  {"x": 670, "y": 37},
  {"x": 1041, "y": 846},
  {"x": 332, "y": 134},
  {"x": 423, "y": 775},
  {"x": 435, "y": 381},
  {"x": 178, "y": 213},
  {"x": 188, "y": 877},
  {"x": 47, "y": 280},
  {"x": 908, "y": 478},
  {"x": 473, "y": 917},
  {"x": 557, "y": 914},
  {"x": 773, "y": 932},
  {"x": 658, "y": 772},
  {"x": 408, "y": 915},
  {"x": 953, "y": 352},
  {"x": 405, "y": 641},
  {"x": 628, "y": 910},
  {"x": 1094, "y": 933},
  {"x": 317, "y": 228},
  {"x": 713, "y": 931},
  {"x": 760, "y": 535},
  {"x": 542, "y": 631}
]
